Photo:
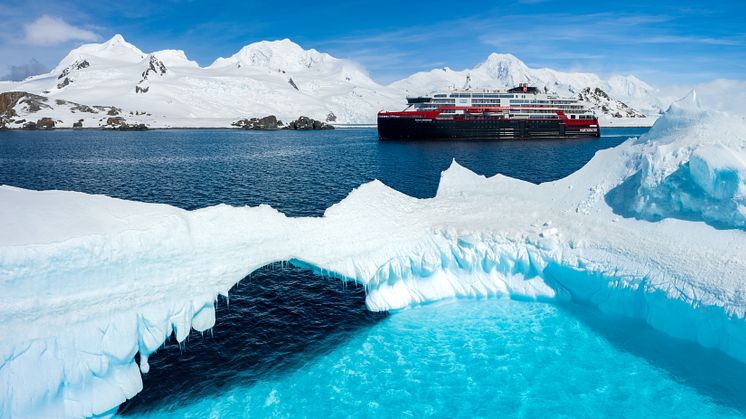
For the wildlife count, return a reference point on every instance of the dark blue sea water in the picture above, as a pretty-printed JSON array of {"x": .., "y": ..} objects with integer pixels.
[{"x": 294, "y": 344}]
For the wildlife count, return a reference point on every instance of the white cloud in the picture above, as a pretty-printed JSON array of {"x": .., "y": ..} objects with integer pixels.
[{"x": 48, "y": 30}]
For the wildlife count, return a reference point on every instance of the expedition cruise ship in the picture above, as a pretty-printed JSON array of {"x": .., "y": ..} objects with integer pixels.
[{"x": 519, "y": 113}]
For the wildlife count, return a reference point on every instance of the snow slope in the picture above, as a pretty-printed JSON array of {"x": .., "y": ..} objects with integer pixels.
[
  {"x": 89, "y": 281},
  {"x": 166, "y": 89},
  {"x": 626, "y": 100},
  {"x": 263, "y": 78}
]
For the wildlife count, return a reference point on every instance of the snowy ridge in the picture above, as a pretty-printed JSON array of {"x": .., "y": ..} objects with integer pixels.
[
  {"x": 265, "y": 78},
  {"x": 281, "y": 78},
  {"x": 626, "y": 100},
  {"x": 89, "y": 281}
]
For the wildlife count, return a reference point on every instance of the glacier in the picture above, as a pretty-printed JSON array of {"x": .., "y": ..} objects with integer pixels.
[{"x": 90, "y": 281}]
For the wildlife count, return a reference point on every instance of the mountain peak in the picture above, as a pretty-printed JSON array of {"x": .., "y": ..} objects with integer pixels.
[
  {"x": 505, "y": 67},
  {"x": 279, "y": 55},
  {"x": 116, "y": 39},
  {"x": 495, "y": 60},
  {"x": 116, "y": 49},
  {"x": 174, "y": 58}
]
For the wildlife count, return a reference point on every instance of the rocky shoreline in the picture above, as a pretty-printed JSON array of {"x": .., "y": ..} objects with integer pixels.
[
  {"x": 270, "y": 122},
  {"x": 17, "y": 111}
]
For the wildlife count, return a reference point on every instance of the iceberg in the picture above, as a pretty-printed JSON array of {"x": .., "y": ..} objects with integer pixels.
[{"x": 652, "y": 229}]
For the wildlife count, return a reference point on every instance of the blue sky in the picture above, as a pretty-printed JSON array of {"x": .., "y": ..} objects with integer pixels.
[{"x": 662, "y": 42}]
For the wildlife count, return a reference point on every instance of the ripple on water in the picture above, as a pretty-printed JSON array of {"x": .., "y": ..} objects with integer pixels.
[{"x": 489, "y": 358}]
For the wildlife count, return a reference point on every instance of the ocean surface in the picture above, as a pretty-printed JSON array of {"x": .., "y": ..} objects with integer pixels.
[{"x": 288, "y": 343}]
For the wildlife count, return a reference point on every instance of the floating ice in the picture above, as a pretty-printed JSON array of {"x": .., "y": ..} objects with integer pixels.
[
  {"x": 692, "y": 165},
  {"x": 89, "y": 281}
]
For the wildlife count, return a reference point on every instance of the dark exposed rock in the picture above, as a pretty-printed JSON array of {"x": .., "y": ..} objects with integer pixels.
[
  {"x": 45, "y": 123},
  {"x": 78, "y": 124},
  {"x": 600, "y": 98},
  {"x": 82, "y": 108},
  {"x": 306, "y": 123},
  {"x": 331, "y": 117},
  {"x": 77, "y": 65},
  {"x": 156, "y": 67},
  {"x": 9, "y": 101},
  {"x": 64, "y": 83},
  {"x": 292, "y": 83},
  {"x": 133, "y": 127},
  {"x": 267, "y": 123},
  {"x": 113, "y": 111},
  {"x": 115, "y": 121},
  {"x": 119, "y": 123},
  {"x": 29, "y": 125}
]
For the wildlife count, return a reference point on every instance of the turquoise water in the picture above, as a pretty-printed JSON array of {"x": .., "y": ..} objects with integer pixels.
[{"x": 489, "y": 358}]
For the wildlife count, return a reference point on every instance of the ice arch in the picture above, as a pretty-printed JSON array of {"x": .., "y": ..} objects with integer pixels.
[{"x": 89, "y": 281}]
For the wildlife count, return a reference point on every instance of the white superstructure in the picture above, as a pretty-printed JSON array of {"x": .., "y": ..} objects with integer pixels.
[{"x": 522, "y": 101}]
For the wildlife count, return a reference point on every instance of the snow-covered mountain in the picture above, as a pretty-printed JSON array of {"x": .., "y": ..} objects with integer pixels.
[
  {"x": 165, "y": 88},
  {"x": 616, "y": 99}
]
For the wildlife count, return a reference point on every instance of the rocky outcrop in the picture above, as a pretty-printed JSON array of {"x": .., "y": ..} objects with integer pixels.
[
  {"x": 292, "y": 83},
  {"x": 64, "y": 83},
  {"x": 155, "y": 67},
  {"x": 43, "y": 123},
  {"x": 608, "y": 105},
  {"x": 121, "y": 124},
  {"x": 133, "y": 127},
  {"x": 330, "y": 117},
  {"x": 9, "y": 100},
  {"x": 66, "y": 74},
  {"x": 78, "y": 124},
  {"x": 77, "y": 65},
  {"x": 305, "y": 123},
  {"x": 267, "y": 123},
  {"x": 81, "y": 108}
]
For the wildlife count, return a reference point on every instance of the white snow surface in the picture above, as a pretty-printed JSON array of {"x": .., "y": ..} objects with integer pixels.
[
  {"x": 254, "y": 82},
  {"x": 88, "y": 281},
  {"x": 283, "y": 79}
]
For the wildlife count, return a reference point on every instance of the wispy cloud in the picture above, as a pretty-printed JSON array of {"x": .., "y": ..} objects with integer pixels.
[{"x": 49, "y": 30}]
